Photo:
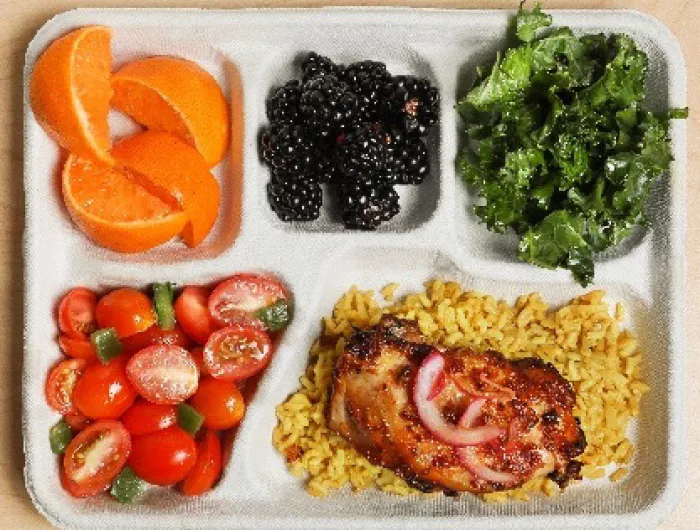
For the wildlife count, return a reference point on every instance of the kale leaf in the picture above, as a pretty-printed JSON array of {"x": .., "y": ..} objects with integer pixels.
[{"x": 560, "y": 150}]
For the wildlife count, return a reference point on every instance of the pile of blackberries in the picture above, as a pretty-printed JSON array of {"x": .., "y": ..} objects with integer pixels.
[{"x": 358, "y": 129}]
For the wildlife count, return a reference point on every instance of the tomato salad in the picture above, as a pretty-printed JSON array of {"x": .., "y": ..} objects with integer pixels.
[{"x": 151, "y": 381}]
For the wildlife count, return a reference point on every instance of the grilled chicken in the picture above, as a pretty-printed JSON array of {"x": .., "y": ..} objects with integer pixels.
[{"x": 519, "y": 411}]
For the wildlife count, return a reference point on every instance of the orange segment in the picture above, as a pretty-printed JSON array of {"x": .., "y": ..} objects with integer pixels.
[
  {"x": 175, "y": 96},
  {"x": 69, "y": 92},
  {"x": 176, "y": 173},
  {"x": 114, "y": 211}
]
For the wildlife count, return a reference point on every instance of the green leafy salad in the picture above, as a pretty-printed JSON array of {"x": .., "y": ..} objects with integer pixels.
[{"x": 560, "y": 148}]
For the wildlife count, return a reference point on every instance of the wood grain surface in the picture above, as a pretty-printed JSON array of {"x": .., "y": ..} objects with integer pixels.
[{"x": 22, "y": 18}]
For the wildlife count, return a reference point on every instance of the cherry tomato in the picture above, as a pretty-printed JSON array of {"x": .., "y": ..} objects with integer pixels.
[
  {"x": 220, "y": 402},
  {"x": 104, "y": 390},
  {"x": 207, "y": 468},
  {"x": 192, "y": 313},
  {"x": 77, "y": 421},
  {"x": 155, "y": 335},
  {"x": 61, "y": 384},
  {"x": 77, "y": 348},
  {"x": 94, "y": 458},
  {"x": 144, "y": 417},
  {"x": 163, "y": 374},
  {"x": 163, "y": 457},
  {"x": 237, "y": 299},
  {"x": 237, "y": 352},
  {"x": 127, "y": 310},
  {"x": 76, "y": 313},
  {"x": 198, "y": 356}
]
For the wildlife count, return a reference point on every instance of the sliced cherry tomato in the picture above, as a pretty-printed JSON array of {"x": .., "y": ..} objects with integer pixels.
[
  {"x": 77, "y": 348},
  {"x": 163, "y": 457},
  {"x": 144, "y": 417},
  {"x": 94, "y": 458},
  {"x": 61, "y": 384},
  {"x": 198, "y": 356},
  {"x": 76, "y": 313},
  {"x": 104, "y": 390},
  {"x": 77, "y": 421},
  {"x": 237, "y": 299},
  {"x": 220, "y": 402},
  {"x": 127, "y": 310},
  {"x": 237, "y": 352},
  {"x": 207, "y": 468},
  {"x": 155, "y": 335},
  {"x": 163, "y": 374},
  {"x": 192, "y": 312}
]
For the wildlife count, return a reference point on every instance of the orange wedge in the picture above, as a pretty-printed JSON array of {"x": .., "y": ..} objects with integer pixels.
[
  {"x": 114, "y": 211},
  {"x": 176, "y": 96},
  {"x": 69, "y": 92},
  {"x": 177, "y": 174}
]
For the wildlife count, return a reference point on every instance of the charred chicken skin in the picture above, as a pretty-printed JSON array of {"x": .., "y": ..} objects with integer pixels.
[{"x": 453, "y": 419}]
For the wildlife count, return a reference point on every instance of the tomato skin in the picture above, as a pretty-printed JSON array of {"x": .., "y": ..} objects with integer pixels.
[
  {"x": 237, "y": 299},
  {"x": 61, "y": 384},
  {"x": 198, "y": 356},
  {"x": 237, "y": 352},
  {"x": 192, "y": 312},
  {"x": 77, "y": 348},
  {"x": 127, "y": 310},
  {"x": 104, "y": 390},
  {"x": 109, "y": 443},
  {"x": 220, "y": 402},
  {"x": 207, "y": 468},
  {"x": 163, "y": 374},
  {"x": 144, "y": 417},
  {"x": 163, "y": 457},
  {"x": 77, "y": 421},
  {"x": 76, "y": 313},
  {"x": 154, "y": 335}
]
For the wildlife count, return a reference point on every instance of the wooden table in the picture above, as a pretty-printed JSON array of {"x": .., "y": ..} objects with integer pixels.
[{"x": 21, "y": 19}]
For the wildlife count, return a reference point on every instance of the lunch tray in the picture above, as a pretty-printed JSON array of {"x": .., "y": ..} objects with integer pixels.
[{"x": 249, "y": 52}]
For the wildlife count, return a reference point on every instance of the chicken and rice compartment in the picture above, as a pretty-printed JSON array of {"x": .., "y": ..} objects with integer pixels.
[{"x": 597, "y": 364}]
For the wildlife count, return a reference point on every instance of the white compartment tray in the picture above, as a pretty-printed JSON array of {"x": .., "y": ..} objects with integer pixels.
[{"x": 435, "y": 235}]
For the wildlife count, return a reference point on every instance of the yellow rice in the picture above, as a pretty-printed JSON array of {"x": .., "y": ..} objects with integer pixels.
[{"x": 582, "y": 339}]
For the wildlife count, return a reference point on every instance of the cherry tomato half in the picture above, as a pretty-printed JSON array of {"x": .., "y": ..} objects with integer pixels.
[
  {"x": 94, "y": 458},
  {"x": 220, "y": 402},
  {"x": 60, "y": 386},
  {"x": 155, "y": 335},
  {"x": 163, "y": 374},
  {"x": 76, "y": 313},
  {"x": 237, "y": 299},
  {"x": 104, "y": 390},
  {"x": 207, "y": 468},
  {"x": 144, "y": 417},
  {"x": 77, "y": 348},
  {"x": 163, "y": 457},
  {"x": 237, "y": 352},
  {"x": 127, "y": 310},
  {"x": 192, "y": 312},
  {"x": 77, "y": 421}
]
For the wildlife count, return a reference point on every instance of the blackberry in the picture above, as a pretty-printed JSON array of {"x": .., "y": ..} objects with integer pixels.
[
  {"x": 287, "y": 147},
  {"x": 411, "y": 104},
  {"x": 315, "y": 65},
  {"x": 363, "y": 155},
  {"x": 327, "y": 106},
  {"x": 408, "y": 160},
  {"x": 283, "y": 105},
  {"x": 366, "y": 207},
  {"x": 367, "y": 79},
  {"x": 294, "y": 200}
]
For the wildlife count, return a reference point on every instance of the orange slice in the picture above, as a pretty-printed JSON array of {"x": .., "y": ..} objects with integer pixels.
[
  {"x": 114, "y": 211},
  {"x": 177, "y": 174},
  {"x": 69, "y": 92},
  {"x": 176, "y": 96}
]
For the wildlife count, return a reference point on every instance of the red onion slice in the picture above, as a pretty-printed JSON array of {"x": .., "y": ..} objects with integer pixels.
[
  {"x": 468, "y": 455},
  {"x": 428, "y": 374}
]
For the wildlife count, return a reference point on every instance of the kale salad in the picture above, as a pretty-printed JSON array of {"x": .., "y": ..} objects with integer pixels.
[{"x": 560, "y": 148}]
